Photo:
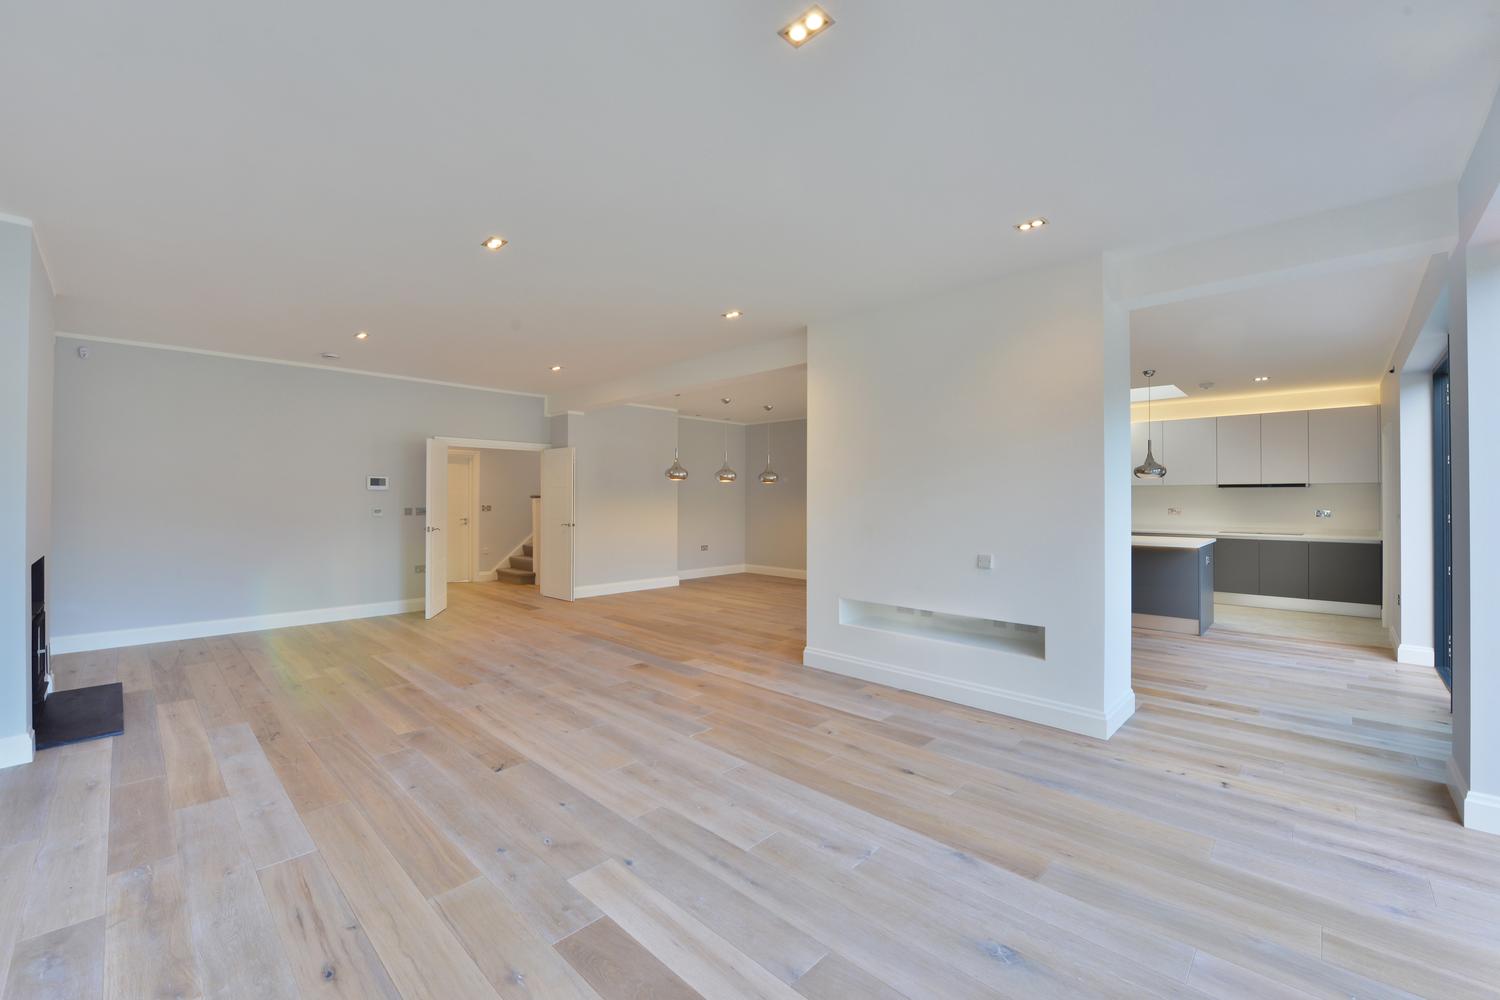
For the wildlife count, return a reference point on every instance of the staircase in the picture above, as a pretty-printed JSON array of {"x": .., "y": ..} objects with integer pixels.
[{"x": 521, "y": 570}]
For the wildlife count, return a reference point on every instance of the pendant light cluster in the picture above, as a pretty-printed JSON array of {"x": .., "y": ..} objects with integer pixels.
[
  {"x": 676, "y": 473},
  {"x": 1150, "y": 468}
]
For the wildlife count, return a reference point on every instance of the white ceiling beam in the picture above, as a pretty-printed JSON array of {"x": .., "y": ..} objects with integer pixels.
[
  {"x": 738, "y": 362},
  {"x": 1424, "y": 339},
  {"x": 1415, "y": 224},
  {"x": 1481, "y": 176}
]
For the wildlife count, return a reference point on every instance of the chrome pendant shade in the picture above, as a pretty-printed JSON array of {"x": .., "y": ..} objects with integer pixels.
[
  {"x": 1150, "y": 468},
  {"x": 726, "y": 474},
  {"x": 676, "y": 473},
  {"x": 769, "y": 477}
]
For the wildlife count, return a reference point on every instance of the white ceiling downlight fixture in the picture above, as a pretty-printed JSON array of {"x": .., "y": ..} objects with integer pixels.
[
  {"x": 329, "y": 355},
  {"x": 495, "y": 243},
  {"x": 733, "y": 314},
  {"x": 1031, "y": 225},
  {"x": 805, "y": 28},
  {"x": 1262, "y": 378},
  {"x": 556, "y": 368},
  {"x": 1150, "y": 468},
  {"x": 362, "y": 335}
]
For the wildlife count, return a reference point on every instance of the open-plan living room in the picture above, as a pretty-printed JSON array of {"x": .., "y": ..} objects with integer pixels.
[{"x": 602, "y": 501}]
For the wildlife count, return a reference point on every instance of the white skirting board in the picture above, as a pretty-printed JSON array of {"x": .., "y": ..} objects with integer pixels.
[
  {"x": 19, "y": 748},
  {"x": 698, "y": 574},
  {"x": 1030, "y": 708},
  {"x": 624, "y": 586},
  {"x": 790, "y": 574},
  {"x": 84, "y": 641},
  {"x": 1417, "y": 656},
  {"x": 1479, "y": 810},
  {"x": 1298, "y": 604}
]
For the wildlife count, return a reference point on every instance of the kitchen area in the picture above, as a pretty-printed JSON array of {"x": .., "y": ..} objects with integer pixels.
[{"x": 1265, "y": 522}]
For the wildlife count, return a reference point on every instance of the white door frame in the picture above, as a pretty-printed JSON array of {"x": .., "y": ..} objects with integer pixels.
[
  {"x": 468, "y": 444},
  {"x": 470, "y": 456}
]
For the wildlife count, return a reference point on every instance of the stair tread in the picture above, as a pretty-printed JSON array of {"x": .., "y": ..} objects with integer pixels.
[
  {"x": 521, "y": 562},
  {"x": 527, "y": 551}
]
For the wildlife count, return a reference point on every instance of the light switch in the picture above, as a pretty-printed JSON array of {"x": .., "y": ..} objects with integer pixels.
[
  {"x": 985, "y": 561},
  {"x": 377, "y": 512}
]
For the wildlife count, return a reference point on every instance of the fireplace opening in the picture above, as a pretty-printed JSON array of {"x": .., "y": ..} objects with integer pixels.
[{"x": 63, "y": 717}]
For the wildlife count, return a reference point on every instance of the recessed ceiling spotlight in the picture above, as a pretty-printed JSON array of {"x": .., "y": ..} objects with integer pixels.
[
  {"x": 557, "y": 368},
  {"x": 768, "y": 407},
  {"x": 494, "y": 242},
  {"x": 1205, "y": 385},
  {"x": 362, "y": 335},
  {"x": 1031, "y": 224},
  {"x": 814, "y": 22},
  {"x": 733, "y": 314},
  {"x": 330, "y": 356},
  {"x": 1262, "y": 378},
  {"x": 725, "y": 400}
]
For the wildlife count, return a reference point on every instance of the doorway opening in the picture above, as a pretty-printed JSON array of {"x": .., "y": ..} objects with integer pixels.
[
  {"x": 1442, "y": 524},
  {"x": 487, "y": 504}
]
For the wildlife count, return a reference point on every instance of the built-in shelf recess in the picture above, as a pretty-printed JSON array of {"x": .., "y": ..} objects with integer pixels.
[{"x": 982, "y": 633}]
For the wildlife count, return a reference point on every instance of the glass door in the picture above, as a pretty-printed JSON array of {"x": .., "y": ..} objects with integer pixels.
[{"x": 1442, "y": 523}]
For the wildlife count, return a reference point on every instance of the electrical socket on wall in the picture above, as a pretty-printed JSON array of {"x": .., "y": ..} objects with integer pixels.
[
  {"x": 984, "y": 560},
  {"x": 1323, "y": 512},
  {"x": 421, "y": 568},
  {"x": 703, "y": 548},
  {"x": 1173, "y": 511}
]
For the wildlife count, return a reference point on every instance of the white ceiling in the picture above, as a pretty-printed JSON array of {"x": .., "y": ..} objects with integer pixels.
[
  {"x": 785, "y": 390},
  {"x": 267, "y": 178},
  {"x": 1330, "y": 330}
]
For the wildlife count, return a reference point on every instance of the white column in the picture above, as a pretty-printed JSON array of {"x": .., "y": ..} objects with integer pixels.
[
  {"x": 1414, "y": 587},
  {"x": 1474, "y": 365}
]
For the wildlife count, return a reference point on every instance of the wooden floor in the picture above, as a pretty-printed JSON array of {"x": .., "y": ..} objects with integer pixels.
[
  {"x": 645, "y": 796},
  {"x": 1347, "y": 629}
]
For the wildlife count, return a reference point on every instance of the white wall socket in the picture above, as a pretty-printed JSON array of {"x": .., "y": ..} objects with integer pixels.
[{"x": 985, "y": 561}]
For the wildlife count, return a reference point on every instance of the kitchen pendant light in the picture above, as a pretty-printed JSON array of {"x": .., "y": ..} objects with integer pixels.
[
  {"x": 1150, "y": 468},
  {"x": 726, "y": 474},
  {"x": 676, "y": 473},
  {"x": 769, "y": 477}
]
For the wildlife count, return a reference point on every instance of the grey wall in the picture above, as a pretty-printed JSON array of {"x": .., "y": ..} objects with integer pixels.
[
  {"x": 710, "y": 512},
  {"x": 626, "y": 508},
  {"x": 25, "y": 469},
  {"x": 776, "y": 516},
  {"x": 190, "y": 487},
  {"x": 507, "y": 482}
]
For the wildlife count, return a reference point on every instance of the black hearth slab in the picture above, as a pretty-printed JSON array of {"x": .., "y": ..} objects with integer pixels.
[{"x": 89, "y": 713}]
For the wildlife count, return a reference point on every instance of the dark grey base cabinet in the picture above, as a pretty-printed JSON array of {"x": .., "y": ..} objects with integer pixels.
[
  {"x": 1347, "y": 572},
  {"x": 1344, "y": 571}
]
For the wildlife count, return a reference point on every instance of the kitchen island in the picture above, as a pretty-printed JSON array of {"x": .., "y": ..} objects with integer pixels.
[{"x": 1172, "y": 583}]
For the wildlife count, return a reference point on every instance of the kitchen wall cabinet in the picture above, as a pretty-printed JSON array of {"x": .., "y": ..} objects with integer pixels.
[
  {"x": 1138, "y": 434},
  {"x": 1194, "y": 447},
  {"x": 1238, "y": 444},
  {"x": 1344, "y": 445},
  {"x": 1283, "y": 447}
]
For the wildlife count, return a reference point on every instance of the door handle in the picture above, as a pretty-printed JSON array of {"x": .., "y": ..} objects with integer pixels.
[
  {"x": 431, "y": 528},
  {"x": 463, "y": 520}
]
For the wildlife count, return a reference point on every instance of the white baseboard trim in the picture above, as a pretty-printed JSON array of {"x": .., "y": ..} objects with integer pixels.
[
  {"x": 488, "y": 576},
  {"x": 1418, "y": 656},
  {"x": 1298, "y": 604},
  {"x": 698, "y": 574},
  {"x": 1479, "y": 810},
  {"x": 1030, "y": 708},
  {"x": 790, "y": 574},
  {"x": 19, "y": 748},
  {"x": 624, "y": 586},
  {"x": 84, "y": 641}
]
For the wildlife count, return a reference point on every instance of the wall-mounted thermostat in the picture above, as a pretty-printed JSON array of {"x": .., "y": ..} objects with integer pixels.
[{"x": 378, "y": 483}]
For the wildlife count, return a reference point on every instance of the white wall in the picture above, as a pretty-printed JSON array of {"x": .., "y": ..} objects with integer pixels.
[
  {"x": 626, "y": 509},
  {"x": 776, "y": 516},
  {"x": 993, "y": 419},
  {"x": 25, "y": 470},
  {"x": 709, "y": 512},
  {"x": 195, "y": 488},
  {"x": 507, "y": 482},
  {"x": 1355, "y": 506}
]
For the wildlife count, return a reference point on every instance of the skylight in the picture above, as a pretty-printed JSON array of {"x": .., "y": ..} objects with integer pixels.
[{"x": 1158, "y": 392}]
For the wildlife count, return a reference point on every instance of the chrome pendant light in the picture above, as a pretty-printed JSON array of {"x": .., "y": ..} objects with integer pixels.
[
  {"x": 676, "y": 473},
  {"x": 769, "y": 477},
  {"x": 727, "y": 475},
  {"x": 1150, "y": 468}
]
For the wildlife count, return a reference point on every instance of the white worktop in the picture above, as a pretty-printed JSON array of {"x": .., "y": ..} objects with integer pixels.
[
  {"x": 1168, "y": 542},
  {"x": 1269, "y": 535}
]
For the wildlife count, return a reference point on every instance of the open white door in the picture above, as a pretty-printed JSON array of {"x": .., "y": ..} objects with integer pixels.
[
  {"x": 436, "y": 572},
  {"x": 557, "y": 523}
]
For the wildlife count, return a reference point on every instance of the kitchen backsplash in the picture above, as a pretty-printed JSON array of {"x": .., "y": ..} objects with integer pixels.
[{"x": 1356, "y": 508}]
